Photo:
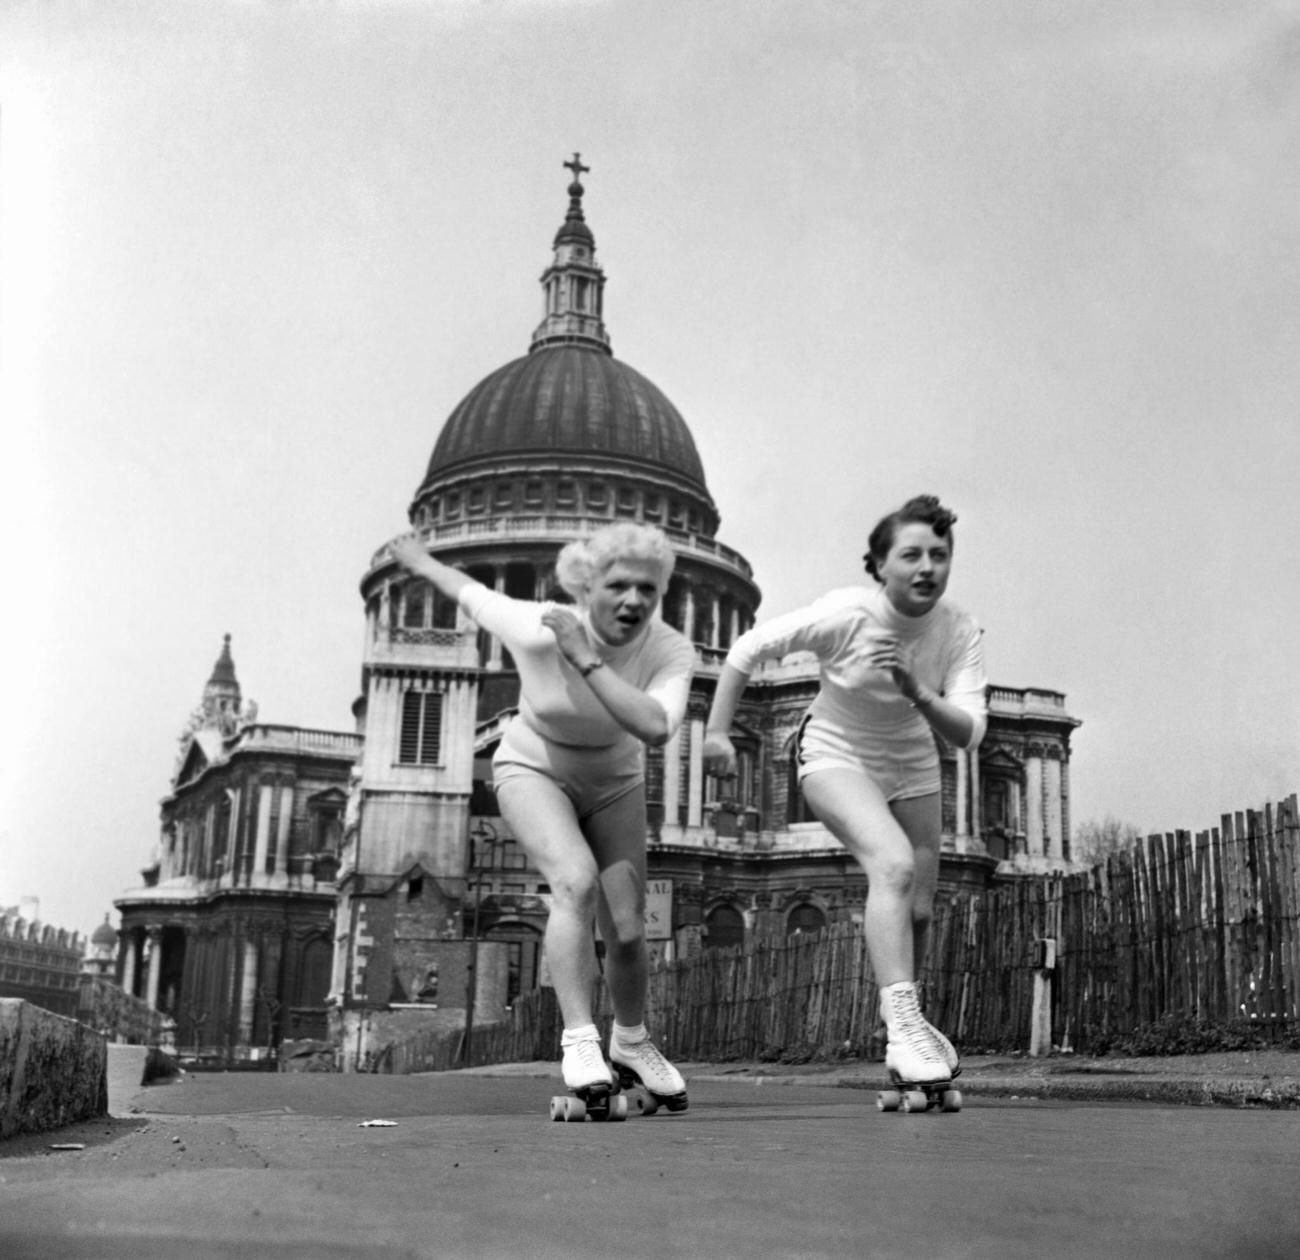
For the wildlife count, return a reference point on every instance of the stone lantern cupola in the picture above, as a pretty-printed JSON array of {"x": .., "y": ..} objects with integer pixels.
[{"x": 574, "y": 284}]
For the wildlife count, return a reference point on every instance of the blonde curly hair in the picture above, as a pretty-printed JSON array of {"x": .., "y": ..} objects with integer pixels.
[{"x": 582, "y": 561}]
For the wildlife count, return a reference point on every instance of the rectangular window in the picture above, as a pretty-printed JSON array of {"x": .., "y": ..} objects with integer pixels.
[
  {"x": 420, "y": 743},
  {"x": 413, "y": 613}
]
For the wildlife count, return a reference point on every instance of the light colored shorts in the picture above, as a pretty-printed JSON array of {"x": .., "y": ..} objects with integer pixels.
[
  {"x": 591, "y": 778},
  {"x": 902, "y": 768}
]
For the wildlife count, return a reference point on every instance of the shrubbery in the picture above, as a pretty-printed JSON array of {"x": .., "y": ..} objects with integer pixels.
[{"x": 1181, "y": 1034}]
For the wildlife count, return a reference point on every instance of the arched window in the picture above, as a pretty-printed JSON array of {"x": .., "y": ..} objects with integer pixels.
[
  {"x": 805, "y": 917},
  {"x": 723, "y": 926}
]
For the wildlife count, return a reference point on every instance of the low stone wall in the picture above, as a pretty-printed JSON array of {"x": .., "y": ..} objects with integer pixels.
[{"x": 53, "y": 1070}]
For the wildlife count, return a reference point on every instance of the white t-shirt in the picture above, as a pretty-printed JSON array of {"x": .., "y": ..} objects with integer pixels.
[
  {"x": 863, "y": 703},
  {"x": 555, "y": 699}
]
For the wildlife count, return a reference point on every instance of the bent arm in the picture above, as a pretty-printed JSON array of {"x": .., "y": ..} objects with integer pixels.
[
  {"x": 960, "y": 715},
  {"x": 719, "y": 753},
  {"x": 651, "y": 712},
  {"x": 954, "y": 724},
  {"x": 636, "y": 712}
]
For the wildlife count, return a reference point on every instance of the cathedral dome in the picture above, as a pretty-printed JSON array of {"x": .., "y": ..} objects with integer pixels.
[
  {"x": 567, "y": 400},
  {"x": 564, "y": 415}
]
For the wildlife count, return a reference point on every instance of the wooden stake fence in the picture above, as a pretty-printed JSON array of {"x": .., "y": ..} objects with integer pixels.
[{"x": 1203, "y": 928}]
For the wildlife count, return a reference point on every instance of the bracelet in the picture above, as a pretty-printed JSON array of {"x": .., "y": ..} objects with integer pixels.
[{"x": 587, "y": 670}]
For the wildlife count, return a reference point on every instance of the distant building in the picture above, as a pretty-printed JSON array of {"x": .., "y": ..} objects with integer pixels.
[
  {"x": 100, "y": 959},
  {"x": 231, "y": 933},
  {"x": 38, "y": 963},
  {"x": 394, "y": 828}
]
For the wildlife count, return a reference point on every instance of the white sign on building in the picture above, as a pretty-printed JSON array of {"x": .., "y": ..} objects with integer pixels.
[{"x": 659, "y": 910}]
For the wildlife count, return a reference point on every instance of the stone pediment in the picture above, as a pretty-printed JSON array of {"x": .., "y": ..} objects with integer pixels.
[
  {"x": 334, "y": 796},
  {"x": 202, "y": 749},
  {"x": 1000, "y": 757}
]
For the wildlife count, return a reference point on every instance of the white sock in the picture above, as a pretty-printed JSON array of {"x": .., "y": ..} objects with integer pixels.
[
  {"x": 584, "y": 1032},
  {"x": 629, "y": 1036}
]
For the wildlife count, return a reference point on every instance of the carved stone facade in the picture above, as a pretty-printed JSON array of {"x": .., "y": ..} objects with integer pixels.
[{"x": 231, "y": 933}]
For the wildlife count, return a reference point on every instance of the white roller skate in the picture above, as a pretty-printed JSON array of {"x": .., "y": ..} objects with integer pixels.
[
  {"x": 588, "y": 1079},
  {"x": 915, "y": 1057},
  {"x": 638, "y": 1061},
  {"x": 949, "y": 1051}
]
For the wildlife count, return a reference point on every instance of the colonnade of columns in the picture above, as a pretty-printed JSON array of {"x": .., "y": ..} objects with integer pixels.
[
  {"x": 724, "y": 617},
  {"x": 692, "y": 730},
  {"x": 1042, "y": 805},
  {"x": 194, "y": 851},
  {"x": 249, "y": 954}
]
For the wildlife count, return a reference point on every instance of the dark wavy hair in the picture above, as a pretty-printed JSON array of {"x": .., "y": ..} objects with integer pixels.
[{"x": 924, "y": 509}]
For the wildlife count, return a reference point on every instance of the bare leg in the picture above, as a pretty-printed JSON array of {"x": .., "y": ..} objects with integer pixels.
[
  {"x": 616, "y": 835},
  {"x": 920, "y": 819},
  {"x": 857, "y": 814},
  {"x": 543, "y": 820}
]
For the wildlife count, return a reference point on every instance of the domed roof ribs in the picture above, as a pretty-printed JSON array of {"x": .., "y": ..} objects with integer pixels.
[{"x": 573, "y": 285}]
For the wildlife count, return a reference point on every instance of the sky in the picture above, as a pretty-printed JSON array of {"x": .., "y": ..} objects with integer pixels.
[{"x": 1042, "y": 260}]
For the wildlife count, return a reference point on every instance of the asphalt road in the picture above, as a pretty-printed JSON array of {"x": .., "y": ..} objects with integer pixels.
[{"x": 281, "y": 1166}]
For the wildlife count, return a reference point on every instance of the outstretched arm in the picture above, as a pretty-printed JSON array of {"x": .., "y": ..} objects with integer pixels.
[
  {"x": 410, "y": 553},
  {"x": 719, "y": 752}
]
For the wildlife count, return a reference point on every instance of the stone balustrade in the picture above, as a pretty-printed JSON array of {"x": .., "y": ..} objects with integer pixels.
[{"x": 553, "y": 526}]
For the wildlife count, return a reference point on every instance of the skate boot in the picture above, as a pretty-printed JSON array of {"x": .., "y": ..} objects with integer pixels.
[
  {"x": 915, "y": 1058},
  {"x": 913, "y": 1053},
  {"x": 638, "y": 1061},
  {"x": 587, "y": 1078},
  {"x": 947, "y": 1050}
]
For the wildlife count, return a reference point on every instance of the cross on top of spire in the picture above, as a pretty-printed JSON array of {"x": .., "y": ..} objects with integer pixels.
[{"x": 576, "y": 166}]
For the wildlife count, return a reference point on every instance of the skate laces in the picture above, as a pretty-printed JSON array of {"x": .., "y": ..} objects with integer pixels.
[
  {"x": 912, "y": 1027},
  {"x": 645, "y": 1052},
  {"x": 587, "y": 1053}
]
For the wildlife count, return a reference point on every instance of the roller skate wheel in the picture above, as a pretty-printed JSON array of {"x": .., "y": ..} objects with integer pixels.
[
  {"x": 558, "y": 1106},
  {"x": 676, "y": 1102},
  {"x": 575, "y": 1110},
  {"x": 647, "y": 1104},
  {"x": 915, "y": 1100},
  {"x": 951, "y": 1100},
  {"x": 617, "y": 1107},
  {"x": 888, "y": 1100}
]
